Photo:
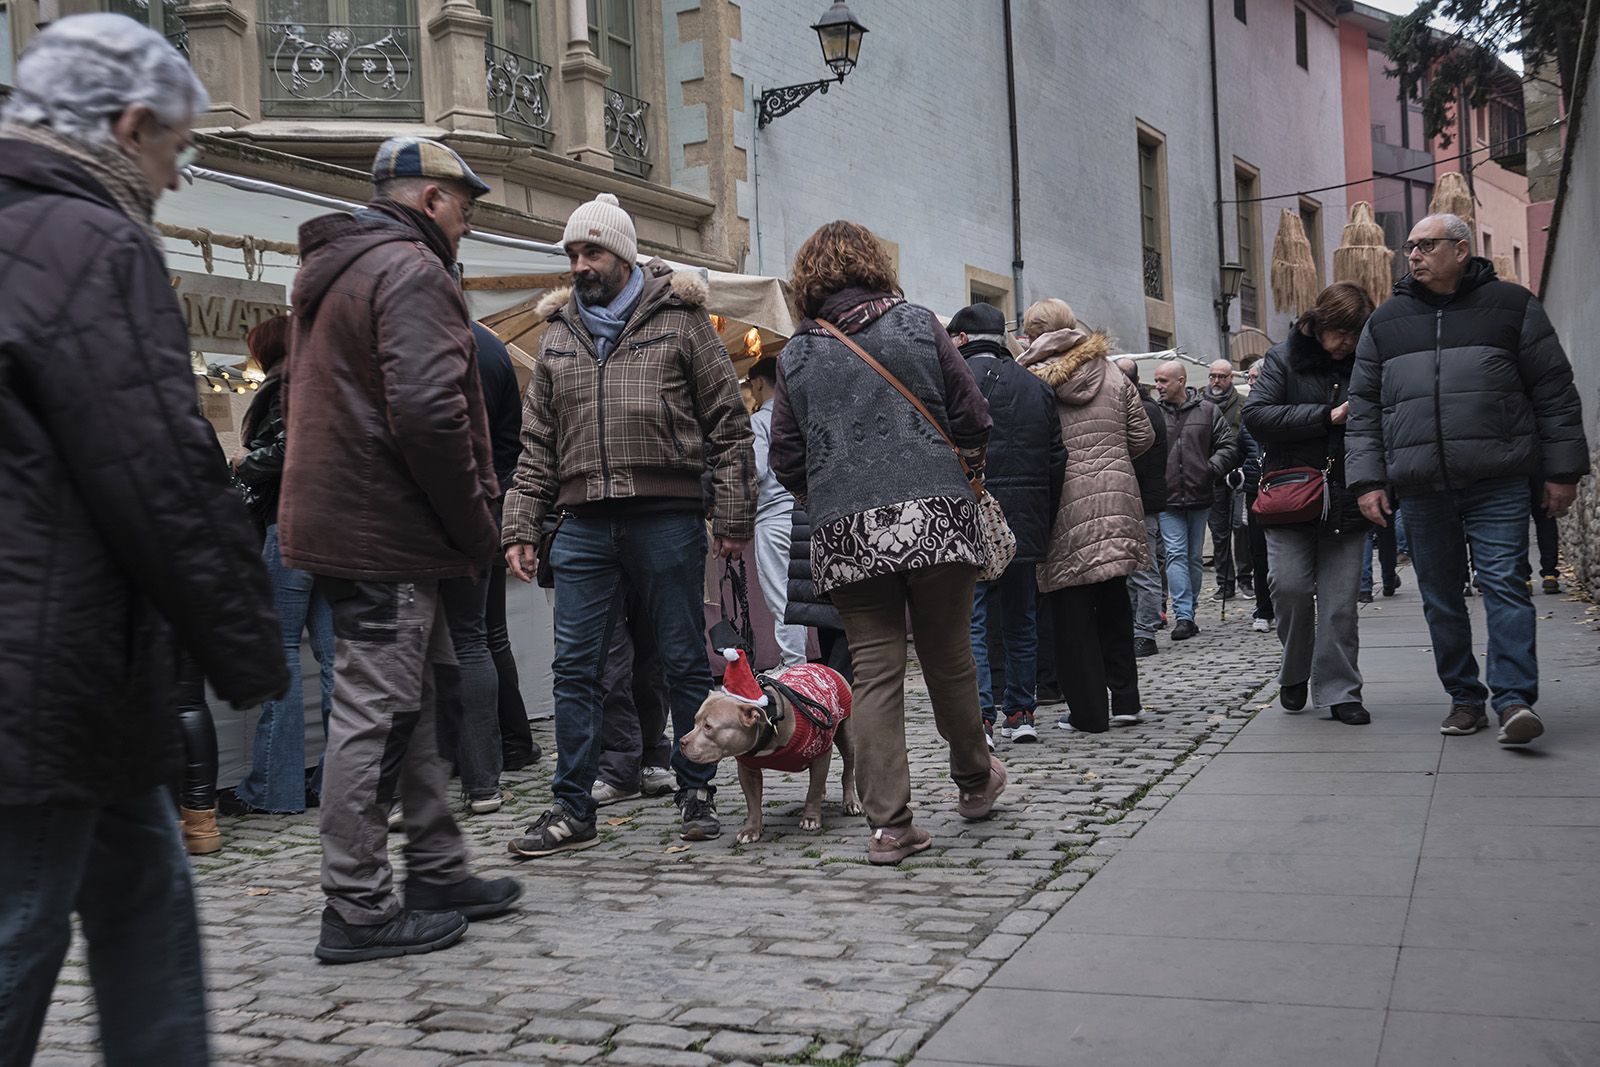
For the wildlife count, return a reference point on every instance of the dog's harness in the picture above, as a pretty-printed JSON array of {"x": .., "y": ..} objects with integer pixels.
[{"x": 815, "y": 723}]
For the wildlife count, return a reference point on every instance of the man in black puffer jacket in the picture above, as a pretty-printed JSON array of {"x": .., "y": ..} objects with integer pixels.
[
  {"x": 1025, "y": 467},
  {"x": 1460, "y": 393}
]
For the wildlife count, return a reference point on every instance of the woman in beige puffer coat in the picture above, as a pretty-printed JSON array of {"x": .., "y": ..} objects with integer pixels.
[{"x": 1098, "y": 537}]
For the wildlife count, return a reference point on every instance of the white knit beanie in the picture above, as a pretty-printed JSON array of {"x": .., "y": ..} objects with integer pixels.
[{"x": 603, "y": 222}]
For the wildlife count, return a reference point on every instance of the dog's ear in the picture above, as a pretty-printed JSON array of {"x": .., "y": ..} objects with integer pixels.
[{"x": 749, "y": 715}]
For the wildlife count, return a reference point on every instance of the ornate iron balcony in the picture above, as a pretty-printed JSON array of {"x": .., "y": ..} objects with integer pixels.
[
  {"x": 1153, "y": 285},
  {"x": 518, "y": 95},
  {"x": 627, "y": 134},
  {"x": 315, "y": 70}
]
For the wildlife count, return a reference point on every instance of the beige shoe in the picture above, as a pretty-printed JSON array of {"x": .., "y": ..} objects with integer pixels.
[
  {"x": 980, "y": 805},
  {"x": 200, "y": 834},
  {"x": 891, "y": 844}
]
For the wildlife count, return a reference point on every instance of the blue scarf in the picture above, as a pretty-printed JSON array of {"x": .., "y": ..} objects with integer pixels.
[{"x": 605, "y": 323}]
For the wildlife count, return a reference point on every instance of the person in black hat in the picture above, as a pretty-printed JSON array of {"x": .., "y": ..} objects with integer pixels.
[{"x": 1026, "y": 463}]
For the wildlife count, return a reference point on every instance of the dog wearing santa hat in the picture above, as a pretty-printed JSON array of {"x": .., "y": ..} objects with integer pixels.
[{"x": 789, "y": 721}]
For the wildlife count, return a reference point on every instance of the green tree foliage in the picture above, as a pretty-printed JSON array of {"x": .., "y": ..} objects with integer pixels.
[{"x": 1438, "y": 67}]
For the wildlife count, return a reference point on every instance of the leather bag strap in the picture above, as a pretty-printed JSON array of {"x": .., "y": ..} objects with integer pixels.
[{"x": 840, "y": 336}]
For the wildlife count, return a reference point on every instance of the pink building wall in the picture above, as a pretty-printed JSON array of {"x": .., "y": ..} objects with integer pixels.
[{"x": 1357, "y": 97}]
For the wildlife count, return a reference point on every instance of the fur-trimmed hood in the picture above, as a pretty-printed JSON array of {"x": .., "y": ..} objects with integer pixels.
[
  {"x": 688, "y": 288},
  {"x": 1059, "y": 357}
]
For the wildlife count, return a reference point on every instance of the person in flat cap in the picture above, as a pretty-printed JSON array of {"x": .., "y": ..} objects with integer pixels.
[
  {"x": 633, "y": 400},
  {"x": 1026, "y": 463},
  {"x": 387, "y": 489}
]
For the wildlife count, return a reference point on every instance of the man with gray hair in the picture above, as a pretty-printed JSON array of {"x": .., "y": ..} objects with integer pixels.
[
  {"x": 1460, "y": 393},
  {"x": 1230, "y": 548},
  {"x": 122, "y": 545}
]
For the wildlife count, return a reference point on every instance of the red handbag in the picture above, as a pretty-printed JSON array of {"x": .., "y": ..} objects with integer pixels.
[{"x": 1292, "y": 495}]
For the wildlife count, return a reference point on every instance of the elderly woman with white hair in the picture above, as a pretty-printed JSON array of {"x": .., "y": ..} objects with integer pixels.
[{"x": 122, "y": 544}]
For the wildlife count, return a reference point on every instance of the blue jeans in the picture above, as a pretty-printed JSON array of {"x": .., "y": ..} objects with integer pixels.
[
  {"x": 469, "y": 691},
  {"x": 1017, "y": 596},
  {"x": 122, "y": 868},
  {"x": 277, "y": 778},
  {"x": 1184, "y": 533},
  {"x": 661, "y": 557},
  {"x": 1493, "y": 517}
]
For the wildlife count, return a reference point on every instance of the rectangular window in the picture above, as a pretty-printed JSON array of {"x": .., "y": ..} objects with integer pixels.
[
  {"x": 987, "y": 287},
  {"x": 1311, "y": 220},
  {"x": 1248, "y": 226},
  {"x": 611, "y": 37},
  {"x": 1516, "y": 260},
  {"x": 516, "y": 26},
  {"x": 1302, "y": 51},
  {"x": 1480, "y": 119},
  {"x": 1160, "y": 341},
  {"x": 1239, "y": 11},
  {"x": 1487, "y": 244},
  {"x": 1150, "y": 226}
]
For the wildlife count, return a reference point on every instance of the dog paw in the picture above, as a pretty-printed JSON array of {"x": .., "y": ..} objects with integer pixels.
[
  {"x": 810, "y": 823},
  {"x": 852, "y": 807},
  {"x": 747, "y": 836}
]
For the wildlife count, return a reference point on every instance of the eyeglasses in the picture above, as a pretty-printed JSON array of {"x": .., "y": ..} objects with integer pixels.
[
  {"x": 467, "y": 204},
  {"x": 1425, "y": 245}
]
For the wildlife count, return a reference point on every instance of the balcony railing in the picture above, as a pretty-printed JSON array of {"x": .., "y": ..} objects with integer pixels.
[
  {"x": 627, "y": 133},
  {"x": 518, "y": 94},
  {"x": 322, "y": 70},
  {"x": 1153, "y": 285},
  {"x": 1249, "y": 308},
  {"x": 1508, "y": 135}
]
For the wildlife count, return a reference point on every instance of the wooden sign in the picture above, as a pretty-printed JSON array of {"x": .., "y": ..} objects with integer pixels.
[{"x": 221, "y": 311}]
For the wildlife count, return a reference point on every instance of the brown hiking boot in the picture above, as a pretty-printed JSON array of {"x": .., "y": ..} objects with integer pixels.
[
  {"x": 980, "y": 805},
  {"x": 891, "y": 844},
  {"x": 200, "y": 834}
]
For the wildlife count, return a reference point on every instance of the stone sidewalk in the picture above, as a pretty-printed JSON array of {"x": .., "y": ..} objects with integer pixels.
[
  {"x": 648, "y": 950},
  {"x": 1333, "y": 895}
]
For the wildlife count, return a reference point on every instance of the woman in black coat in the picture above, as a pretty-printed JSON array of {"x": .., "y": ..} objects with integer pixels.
[{"x": 1297, "y": 411}]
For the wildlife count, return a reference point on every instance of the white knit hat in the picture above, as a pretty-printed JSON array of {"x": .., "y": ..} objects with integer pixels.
[{"x": 601, "y": 221}]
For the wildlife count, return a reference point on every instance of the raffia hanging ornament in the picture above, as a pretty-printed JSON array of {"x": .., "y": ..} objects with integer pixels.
[
  {"x": 1294, "y": 271},
  {"x": 1505, "y": 269},
  {"x": 1362, "y": 257},
  {"x": 1452, "y": 197}
]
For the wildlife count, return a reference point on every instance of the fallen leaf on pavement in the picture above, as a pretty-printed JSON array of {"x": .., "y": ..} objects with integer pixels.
[
  {"x": 625, "y": 820},
  {"x": 676, "y": 848},
  {"x": 257, "y": 891}
]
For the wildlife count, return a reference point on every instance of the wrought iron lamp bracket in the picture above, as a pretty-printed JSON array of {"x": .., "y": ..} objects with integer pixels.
[{"x": 775, "y": 103}]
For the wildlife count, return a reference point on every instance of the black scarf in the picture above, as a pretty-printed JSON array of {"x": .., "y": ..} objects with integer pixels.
[{"x": 406, "y": 215}]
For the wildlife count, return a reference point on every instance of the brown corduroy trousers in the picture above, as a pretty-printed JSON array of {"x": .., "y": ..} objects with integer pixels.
[{"x": 939, "y": 599}]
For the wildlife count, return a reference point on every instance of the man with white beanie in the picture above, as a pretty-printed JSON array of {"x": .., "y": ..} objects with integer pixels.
[{"x": 633, "y": 400}]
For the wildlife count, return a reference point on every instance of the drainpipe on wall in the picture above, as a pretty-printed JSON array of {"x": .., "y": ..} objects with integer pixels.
[
  {"x": 1216, "y": 150},
  {"x": 1016, "y": 171}
]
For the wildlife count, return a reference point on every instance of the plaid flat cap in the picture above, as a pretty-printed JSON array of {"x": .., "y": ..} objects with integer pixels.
[{"x": 419, "y": 157}]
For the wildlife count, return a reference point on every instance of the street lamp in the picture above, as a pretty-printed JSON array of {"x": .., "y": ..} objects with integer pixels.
[
  {"x": 1232, "y": 278},
  {"x": 839, "y": 33}
]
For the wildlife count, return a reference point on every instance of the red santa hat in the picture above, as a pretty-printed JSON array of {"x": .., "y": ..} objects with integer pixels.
[{"x": 739, "y": 681}]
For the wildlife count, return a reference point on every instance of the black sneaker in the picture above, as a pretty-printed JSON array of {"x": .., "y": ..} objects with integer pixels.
[
  {"x": 1144, "y": 646},
  {"x": 1352, "y": 714},
  {"x": 472, "y": 897},
  {"x": 1391, "y": 585},
  {"x": 1293, "y": 697},
  {"x": 1364, "y": 597},
  {"x": 1184, "y": 629},
  {"x": 1247, "y": 588},
  {"x": 699, "y": 815},
  {"x": 407, "y": 934},
  {"x": 557, "y": 830},
  {"x": 231, "y": 804},
  {"x": 1051, "y": 694},
  {"x": 1222, "y": 593}
]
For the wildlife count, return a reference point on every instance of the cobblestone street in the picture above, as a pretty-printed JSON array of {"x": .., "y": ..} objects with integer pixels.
[{"x": 649, "y": 950}]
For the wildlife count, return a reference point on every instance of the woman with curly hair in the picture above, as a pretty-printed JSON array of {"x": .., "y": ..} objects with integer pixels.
[{"x": 894, "y": 520}]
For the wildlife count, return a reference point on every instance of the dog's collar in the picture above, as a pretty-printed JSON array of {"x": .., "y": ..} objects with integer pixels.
[{"x": 768, "y": 734}]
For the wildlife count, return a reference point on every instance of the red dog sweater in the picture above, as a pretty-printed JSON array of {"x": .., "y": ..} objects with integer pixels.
[{"x": 826, "y": 687}]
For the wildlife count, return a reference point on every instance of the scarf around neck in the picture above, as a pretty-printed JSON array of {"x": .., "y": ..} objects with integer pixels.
[
  {"x": 394, "y": 211},
  {"x": 605, "y": 322},
  {"x": 115, "y": 172}
]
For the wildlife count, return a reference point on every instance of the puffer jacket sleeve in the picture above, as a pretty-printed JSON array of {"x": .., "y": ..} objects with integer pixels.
[
  {"x": 151, "y": 479},
  {"x": 725, "y": 425},
  {"x": 1557, "y": 408},
  {"x": 1224, "y": 444},
  {"x": 423, "y": 374},
  {"x": 1271, "y": 418},
  {"x": 1141, "y": 435},
  {"x": 1364, "y": 465},
  {"x": 1051, "y": 421},
  {"x": 533, "y": 487}
]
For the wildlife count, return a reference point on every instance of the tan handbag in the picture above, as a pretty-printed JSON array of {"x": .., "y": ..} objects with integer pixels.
[{"x": 998, "y": 543}]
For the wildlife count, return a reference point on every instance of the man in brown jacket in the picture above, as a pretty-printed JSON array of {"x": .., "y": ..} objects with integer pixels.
[
  {"x": 387, "y": 484},
  {"x": 633, "y": 400}
]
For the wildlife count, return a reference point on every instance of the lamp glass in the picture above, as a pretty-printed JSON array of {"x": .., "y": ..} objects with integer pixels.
[
  {"x": 1232, "y": 277},
  {"x": 840, "y": 36}
]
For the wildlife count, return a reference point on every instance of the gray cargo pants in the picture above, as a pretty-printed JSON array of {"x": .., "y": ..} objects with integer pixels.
[{"x": 383, "y": 747}]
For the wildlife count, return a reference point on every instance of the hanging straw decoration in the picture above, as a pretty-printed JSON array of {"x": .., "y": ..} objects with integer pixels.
[
  {"x": 1362, "y": 257},
  {"x": 1505, "y": 269},
  {"x": 1294, "y": 271},
  {"x": 1451, "y": 196}
]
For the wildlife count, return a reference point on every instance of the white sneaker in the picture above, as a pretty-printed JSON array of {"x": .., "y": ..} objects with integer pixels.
[
  {"x": 605, "y": 793},
  {"x": 1127, "y": 719},
  {"x": 658, "y": 781},
  {"x": 1063, "y": 724},
  {"x": 484, "y": 805},
  {"x": 1261, "y": 626}
]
